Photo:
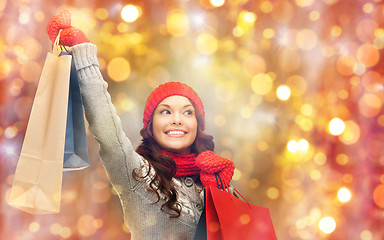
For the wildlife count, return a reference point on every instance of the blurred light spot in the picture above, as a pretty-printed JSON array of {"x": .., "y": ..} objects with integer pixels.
[
  {"x": 273, "y": 193},
  {"x": 344, "y": 195},
  {"x": 254, "y": 183},
  {"x": 98, "y": 223},
  {"x": 307, "y": 109},
  {"x": 304, "y": 3},
  {"x": 9, "y": 150},
  {"x": 177, "y": 23},
  {"x": 254, "y": 64},
  {"x": 370, "y": 105},
  {"x": 65, "y": 232},
  {"x": 293, "y": 146},
  {"x": 39, "y": 16},
  {"x": 306, "y": 39},
  {"x": 380, "y": 120},
  {"x": 220, "y": 120},
  {"x": 336, "y": 31},
  {"x": 366, "y": 234},
  {"x": 368, "y": 8},
  {"x": 378, "y": 195},
  {"x": 55, "y": 228},
  {"x": 351, "y": 133},
  {"x": 268, "y": 33},
  {"x": 336, "y": 126},
  {"x": 342, "y": 159},
  {"x": 303, "y": 145},
  {"x": 249, "y": 17},
  {"x": 34, "y": 227},
  {"x": 246, "y": 112},
  {"x": 213, "y": 227},
  {"x": 245, "y": 219},
  {"x": 283, "y": 92},
  {"x": 237, "y": 31},
  {"x": 343, "y": 94},
  {"x": 327, "y": 225},
  {"x": 10, "y": 132},
  {"x": 347, "y": 178},
  {"x": 85, "y": 225},
  {"x": 359, "y": 69},
  {"x": 314, "y": 15},
  {"x": 122, "y": 27},
  {"x": 217, "y": 3},
  {"x": 206, "y": 44},
  {"x": 365, "y": 30},
  {"x": 266, "y": 6},
  {"x": 130, "y": 13},
  {"x": 372, "y": 81},
  {"x": 5, "y": 68},
  {"x": 102, "y": 13},
  {"x": 30, "y": 71},
  {"x": 24, "y": 17},
  {"x": 304, "y": 123},
  {"x": 315, "y": 174},
  {"x": 262, "y": 84},
  {"x": 237, "y": 175},
  {"x": 119, "y": 69},
  {"x": 368, "y": 55},
  {"x": 345, "y": 65},
  {"x": 382, "y": 178},
  {"x": 150, "y": 219},
  {"x": 297, "y": 84},
  {"x": 320, "y": 158}
]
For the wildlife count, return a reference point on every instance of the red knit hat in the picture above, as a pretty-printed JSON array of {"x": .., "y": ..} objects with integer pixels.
[{"x": 171, "y": 89}]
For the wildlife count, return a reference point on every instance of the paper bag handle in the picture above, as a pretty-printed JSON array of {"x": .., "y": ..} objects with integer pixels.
[{"x": 56, "y": 48}]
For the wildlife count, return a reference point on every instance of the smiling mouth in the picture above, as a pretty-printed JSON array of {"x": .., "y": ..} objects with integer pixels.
[{"x": 175, "y": 133}]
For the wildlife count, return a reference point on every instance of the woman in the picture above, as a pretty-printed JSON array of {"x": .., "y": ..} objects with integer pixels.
[{"x": 160, "y": 184}]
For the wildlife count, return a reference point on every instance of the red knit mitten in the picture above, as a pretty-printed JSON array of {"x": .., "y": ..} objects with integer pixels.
[
  {"x": 211, "y": 163},
  {"x": 69, "y": 36},
  {"x": 60, "y": 21}
]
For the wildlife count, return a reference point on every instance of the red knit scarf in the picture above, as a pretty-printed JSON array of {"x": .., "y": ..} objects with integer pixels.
[
  {"x": 206, "y": 164},
  {"x": 185, "y": 163}
]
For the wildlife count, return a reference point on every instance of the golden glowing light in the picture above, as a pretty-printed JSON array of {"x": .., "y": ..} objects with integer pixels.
[
  {"x": 366, "y": 235},
  {"x": 303, "y": 145},
  {"x": 336, "y": 126},
  {"x": 262, "y": 84},
  {"x": 306, "y": 39},
  {"x": 327, "y": 225},
  {"x": 293, "y": 146},
  {"x": 283, "y": 92},
  {"x": 34, "y": 227},
  {"x": 304, "y": 3},
  {"x": 249, "y": 17},
  {"x": 217, "y": 3},
  {"x": 119, "y": 69},
  {"x": 351, "y": 134},
  {"x": 102, "y": 13},
  {"x": 273, "y": 193},
  {"x": 177, "y": 23},
  {"x": 130, "y": 13},
  {"x": 378, "y": 195},
  {"x": 320, "y": 158},
  {"x": 207, "y": 44},
  {"x": 344, "y": 195}
]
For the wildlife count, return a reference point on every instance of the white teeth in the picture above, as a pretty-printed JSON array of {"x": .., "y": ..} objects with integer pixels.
[{"x": 175, "y": 132}]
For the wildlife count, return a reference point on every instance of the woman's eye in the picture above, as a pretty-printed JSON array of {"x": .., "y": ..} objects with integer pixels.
[
  {"x": 188, "y": 112},
  {"x": 165, "y": 111}
]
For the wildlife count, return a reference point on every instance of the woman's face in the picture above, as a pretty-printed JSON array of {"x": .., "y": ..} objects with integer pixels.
[{"x": 174, "y": 124}]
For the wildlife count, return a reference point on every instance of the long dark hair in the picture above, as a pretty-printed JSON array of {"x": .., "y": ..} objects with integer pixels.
[{"x": 165, "y": 167}]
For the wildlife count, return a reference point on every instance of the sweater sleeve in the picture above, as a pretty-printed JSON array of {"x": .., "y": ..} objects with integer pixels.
[{"x": 116, "y": 151}]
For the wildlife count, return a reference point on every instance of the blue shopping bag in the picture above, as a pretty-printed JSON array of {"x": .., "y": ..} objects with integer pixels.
[{"x": 76, "y": 148}]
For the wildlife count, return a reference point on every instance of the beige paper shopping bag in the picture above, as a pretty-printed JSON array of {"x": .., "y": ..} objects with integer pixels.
[{"x": 38, "y": 178}]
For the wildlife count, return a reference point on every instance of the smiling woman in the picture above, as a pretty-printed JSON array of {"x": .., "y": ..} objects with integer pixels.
[{"x": 163, "y": 179}]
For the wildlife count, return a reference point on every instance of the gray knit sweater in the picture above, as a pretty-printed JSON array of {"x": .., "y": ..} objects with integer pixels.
[{"x": 145, "y": 220}]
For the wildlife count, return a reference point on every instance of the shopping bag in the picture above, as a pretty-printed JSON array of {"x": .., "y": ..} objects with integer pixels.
[
  {"x": 201, "y": 229},
  {"x": 38, "y": 178},
  {"x": 228, "y": 217},
  {"x": 76, "y": 149}
]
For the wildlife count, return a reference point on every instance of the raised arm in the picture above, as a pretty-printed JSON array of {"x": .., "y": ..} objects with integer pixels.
[{"x": 116, "y": 151}]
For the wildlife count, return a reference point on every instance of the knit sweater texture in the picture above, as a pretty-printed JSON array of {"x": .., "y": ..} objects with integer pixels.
[{"x": 144, "y": 219}]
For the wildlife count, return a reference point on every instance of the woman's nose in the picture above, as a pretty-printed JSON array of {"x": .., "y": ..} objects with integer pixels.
[{"x": 177, "y": 119}]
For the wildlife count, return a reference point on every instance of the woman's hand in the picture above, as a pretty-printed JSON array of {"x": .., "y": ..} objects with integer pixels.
[
  {"x": 211, "y": 163},
  {"x": 70, "y": 35}
]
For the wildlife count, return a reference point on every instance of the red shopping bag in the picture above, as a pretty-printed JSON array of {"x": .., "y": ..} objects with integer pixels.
[{"x": 228, "y": 217}]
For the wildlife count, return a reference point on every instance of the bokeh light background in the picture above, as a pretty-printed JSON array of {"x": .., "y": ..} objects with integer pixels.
[{"x": 293, "y": 92}]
